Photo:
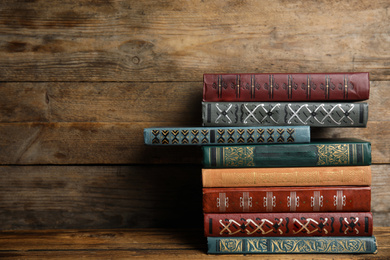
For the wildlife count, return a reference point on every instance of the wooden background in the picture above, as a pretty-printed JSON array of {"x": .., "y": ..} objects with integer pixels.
[{"x": 80, "y": 79}]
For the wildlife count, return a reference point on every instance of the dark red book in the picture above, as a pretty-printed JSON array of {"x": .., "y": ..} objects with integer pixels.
[
  {"x": 287, "y": 199},
  {"x": 265, "y": 87},
  {"x": 288, "y": 224}
]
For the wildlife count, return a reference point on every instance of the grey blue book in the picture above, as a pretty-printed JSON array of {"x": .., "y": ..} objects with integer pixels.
[
  {"x": 295, "y": 245},
  {"x": 317, "y": 114},
  {"x": 226, "y": 135}
]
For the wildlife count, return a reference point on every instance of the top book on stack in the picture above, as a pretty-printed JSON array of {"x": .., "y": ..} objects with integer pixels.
[{"x": 265, "y": 87}]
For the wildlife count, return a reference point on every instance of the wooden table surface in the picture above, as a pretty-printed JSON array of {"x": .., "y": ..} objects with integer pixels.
[{"x": 141, "y": 243}]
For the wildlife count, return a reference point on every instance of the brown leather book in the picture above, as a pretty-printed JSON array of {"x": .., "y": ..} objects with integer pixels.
[
  {"x": 287, "y": 199},
  {"x": 294, "y": 176},
  {"x": 288, "y": 224},
  {"x": 265, "y": 87}
]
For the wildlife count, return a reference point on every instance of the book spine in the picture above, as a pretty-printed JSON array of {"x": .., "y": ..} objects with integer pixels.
[
  {"x": 283, "y": 199},
  {"x": 286, "y": 87},
  {"x": 292, "y": 245},
  {"x": 293, "y": 176},
  {"x": 315, "y": 114},
  {"x": 288, "y": 224},
  {"x": 287, "y": 155},
  {"x": 226, "y": 135}
]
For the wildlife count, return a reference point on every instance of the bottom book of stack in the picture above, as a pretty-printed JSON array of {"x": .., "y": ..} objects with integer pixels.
[
  {"x": 289, "y": 245},
  {"x": 319, "y": 232}
]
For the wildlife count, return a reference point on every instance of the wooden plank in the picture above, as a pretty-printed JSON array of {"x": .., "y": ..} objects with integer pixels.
[
  {"x": 122, "y": 143},
  {"x": 173, "y": 102},
  {"x": 380, "y": 194},
  {"x": 119, "y": 239},
  {"x": 86, "y": 143},
  {"x": 158, "y": 41},
  {"x": 381, "y": 219},
  {"x": 145, "y": 243},
  {"x": 379, "y": 101},
  {"x": 157, "y": 102},
  {"x": 44, "y": 197},
  {"x": 55, "y": 197}
]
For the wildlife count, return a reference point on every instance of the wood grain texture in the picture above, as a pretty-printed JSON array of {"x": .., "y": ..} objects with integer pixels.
[
  {"x": 86, "y": 143},
  {"x": 173, "y": 102},
  {"x": 55, "y": 197},
  {"x": 142, "y": 243},
  {"x": 380, "y": 192},
  {"x": 52, "y": 197},
  {"x": 179, "y": 41}
]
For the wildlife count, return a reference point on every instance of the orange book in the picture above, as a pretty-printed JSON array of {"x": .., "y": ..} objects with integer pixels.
[{"x": 295, "y": 176}]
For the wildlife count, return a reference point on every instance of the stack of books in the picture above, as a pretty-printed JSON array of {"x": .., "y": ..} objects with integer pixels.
[
  {"x": 279, "y": 192},
  {"x": 269, "y": 188}
]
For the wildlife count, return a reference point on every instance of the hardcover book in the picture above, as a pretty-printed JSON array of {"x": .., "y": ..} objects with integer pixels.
[
  {"x": 287, "y": 199},
  {"x": 318, "y": 114},
  {"x": 292, "y": 176},
  {"x": 286, "y": 87},
  {"x": 226, "y": 135},
  {"x": 290, "y": 245},
  {"x": 288, "y": 224},
  {"x": 333, "y": 152}
]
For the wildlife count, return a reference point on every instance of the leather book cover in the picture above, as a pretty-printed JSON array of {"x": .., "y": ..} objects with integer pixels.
[
  {"x": 287, "y": 199},
  {"x": 317, "y": 114},
  {"x": 292, "y": 245},
  {"x": 296, "y": 224},
  {"x": 226, "y": 135},
  {"x": 331, "y": 152},
  {"x": 292, "y": 176},
  {"x": 265, "y": 87}
]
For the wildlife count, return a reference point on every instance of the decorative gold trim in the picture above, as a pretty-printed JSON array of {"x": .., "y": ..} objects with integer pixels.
[
  {"x": 327, "y": 87},
  {"x": 238, "y": 156},
  {"x": 238, "y": 86},
  {"x": 253, "y": 86},
  {"x": 227, "y": 245},
  {"x": 256, "y": 245},
  {"x": 219, "y": 86},
  {"x": 333, "y": 154}
]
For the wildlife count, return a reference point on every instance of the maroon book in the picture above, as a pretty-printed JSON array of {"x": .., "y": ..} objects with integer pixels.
[
  {"x": 288, "y": 224},
  {"x": 287, "y": 199},
  {"x": 265, "y": 87}
]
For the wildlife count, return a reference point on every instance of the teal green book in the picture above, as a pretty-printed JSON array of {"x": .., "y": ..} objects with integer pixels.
[
  {"x": 332, "y": 152},
  {"x": 226, "y": 135},
  {"x": 295, "y": 245}
]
